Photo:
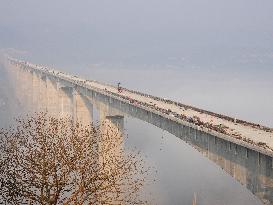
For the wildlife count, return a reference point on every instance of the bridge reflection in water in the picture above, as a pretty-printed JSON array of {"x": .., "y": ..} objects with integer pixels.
[{"x": 40, "y": 92}]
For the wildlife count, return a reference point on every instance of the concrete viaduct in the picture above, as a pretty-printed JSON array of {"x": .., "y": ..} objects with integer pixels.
[{"x": 62, "y": 94}]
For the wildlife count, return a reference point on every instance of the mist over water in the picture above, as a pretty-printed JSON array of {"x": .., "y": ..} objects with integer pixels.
[
  {"x": 216, "y": 55},
  {"x": 181, "y": 170}
]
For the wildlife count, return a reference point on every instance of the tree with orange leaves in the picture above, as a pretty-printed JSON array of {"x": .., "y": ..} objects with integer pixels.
[{"x": 48, "y": 160}]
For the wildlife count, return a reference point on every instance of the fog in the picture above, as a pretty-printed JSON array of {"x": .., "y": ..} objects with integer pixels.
[{"x": 214, "y": 54}]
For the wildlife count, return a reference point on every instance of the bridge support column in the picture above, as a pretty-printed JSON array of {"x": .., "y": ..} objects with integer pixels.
[
  {"x": 117, "y": 122},
  {"x": 111, "y": 145},
  {"x": 82, "y": 108},
  {"x": 18, "y": 86},
  {"x": 24, "y": 87},
  {"x": 52, "y": 97},
  {"x": 22, "y": 94},
  {"x": 105, "y": 110},
  {"x": 114, "y": 126},
  {"x": 42, "y": 93},
  {"x": 66, "y": 101},
  {"x": 35, "y": 91}
]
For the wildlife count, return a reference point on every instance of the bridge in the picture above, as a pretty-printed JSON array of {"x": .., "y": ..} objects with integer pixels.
[{"x": 242, "y": 149}]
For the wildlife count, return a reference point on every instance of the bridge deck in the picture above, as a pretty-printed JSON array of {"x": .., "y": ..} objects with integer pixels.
[
  {"x": 240, "y": 131},
  {"x": 250, "y": 133}
]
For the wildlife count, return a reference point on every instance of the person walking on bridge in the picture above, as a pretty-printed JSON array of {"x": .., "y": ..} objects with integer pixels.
[{"x": 119, "y": 87}]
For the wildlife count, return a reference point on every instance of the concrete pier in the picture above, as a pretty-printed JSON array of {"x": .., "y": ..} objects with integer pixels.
[
  {"x": 66, "y": 101},
  {"x": 52, "y": 96},
  {"x": 83, "y": 108},
  {"x": 36, "y": 90}
]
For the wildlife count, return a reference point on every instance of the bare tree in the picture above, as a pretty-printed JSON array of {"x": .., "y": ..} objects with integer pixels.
[{"x": 48, "y": 160}]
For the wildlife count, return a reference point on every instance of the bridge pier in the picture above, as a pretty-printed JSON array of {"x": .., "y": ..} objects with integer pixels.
[
  {"x": 18, "y": 84},
  {"x": 52, "y": 97},
  {"x": 117, "y": 122},
  {"x": 66, "y": 101},
  {"x": 24, "y": 87},
  {"x": 82, "y": 108},
  {"x": 106, "y": 110},
  {"x": 43, "y": 93},
  {"x": 36, "y": 89},
  {"x": 22, "y": 80}
]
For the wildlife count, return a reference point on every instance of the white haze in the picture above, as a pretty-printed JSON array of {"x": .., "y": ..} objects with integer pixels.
[{"x": 214, "y": 54}]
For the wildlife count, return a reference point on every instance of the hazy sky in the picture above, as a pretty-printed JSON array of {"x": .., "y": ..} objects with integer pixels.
[
  {"x": 216, "y": 54},
  {"x": 136, "y": 31}
]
